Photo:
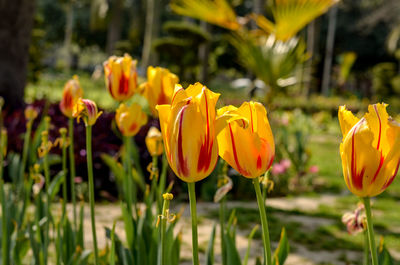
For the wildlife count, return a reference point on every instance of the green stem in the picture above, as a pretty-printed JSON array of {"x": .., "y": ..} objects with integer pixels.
[
  {"x": 64, "y": 168},
  {"x": 366, "y": 248},
  {"x": 47, "y": 185},
  {"x": 264, "y": 222},
  {"x": 371, "y": 237},
  {"x": 164, "y": 219},
  {"x": 153, "y": 194},
  {"x": 128, "y": 177},
  {"x": 193, "y": 213},
  {"x": 25, "y": 150},
  {"x": 163, "y": 176},
  {"x": 4, "y": 238},
  {"x": 72, "y": 169},
  {"x": 91, "y": 189},
  {"x": 222, "y": 228}
]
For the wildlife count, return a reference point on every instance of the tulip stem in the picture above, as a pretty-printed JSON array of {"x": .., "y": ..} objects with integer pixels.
[
  {"x": 371, "y": 237},
  {"x": 128, "y": 167},
  {"x": 264, "y": 221},
  {"x": 193, "y": 213},
  {"x": 72, "y": 169},
  {"x": 91, "y": 189},
  {"x": 164, "y": 219},
  {"x": 366, "y": 248},
  {"x": 64, "y": 168},
  {"x": 5, "y": 236},
  {"x": 222, "y": 204},
  {"x": 46, "y": 169}
]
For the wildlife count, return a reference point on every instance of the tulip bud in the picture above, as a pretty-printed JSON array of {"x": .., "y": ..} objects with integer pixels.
[
  {"x": 370, "y": 150},
  {"x": 30, "y": 113},
  {"x": 249, "y": 150},
  {"x": 86, "y": 109},
  {"x": 120, "y": 77},
  {"x": 154, "y": 142},
  {"x": 130, "y": 119},
  {"x": 71, "y": 93},
  {"x": 159, "y": 87}
]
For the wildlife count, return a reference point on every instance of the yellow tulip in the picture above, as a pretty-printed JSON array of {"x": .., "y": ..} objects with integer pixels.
[
  {"x": 71, "y": 93},
  {"x": 121, "y": 77},
  {"x": 251, "y": 150},
  {"x": 159, "y": 87},
  {"x": 86, "y": 109},
  {"x": 189, "y": 127},
  {"x": 154, "y": 142},
  {"x": 130, "y": 119},
  {"x": 370, "y": 150}
]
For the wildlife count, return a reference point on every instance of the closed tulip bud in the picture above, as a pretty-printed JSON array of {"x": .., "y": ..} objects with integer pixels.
[
  {"x": 250, "y": 150},
  {"x": 159, "y": 87},
  {"x": 121, "y": 77},
  {"x": 130, "y": 119},
  {"x": 154, "y": 142},
  {"x": 189, "y": 126},
  {"x": 30, "y": 113},
  {"x": 87, "y": 110},
  {"x": 71, "y": 93},
  {"x": 370, "y": 150}
]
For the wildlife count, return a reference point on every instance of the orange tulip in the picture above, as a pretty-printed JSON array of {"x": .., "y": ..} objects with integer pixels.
[
  {"x": 370, "y": 150},
  {"x": 130, "y": 119},
  {"x": 86, "y": 109},
  {"x": 72, "y": 92},
  {"x": 189, "y": 126},
  {"x": 120, "y": 77},
  {"x": 159, "y": 87},
  {"x": 249, "y": 150}
]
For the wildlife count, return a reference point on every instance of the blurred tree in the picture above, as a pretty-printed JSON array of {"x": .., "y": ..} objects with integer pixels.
[
  {"x": 114, "y": 25},
  {"x": 15, "y": 36},
  {"x": 151, "y": 32}
]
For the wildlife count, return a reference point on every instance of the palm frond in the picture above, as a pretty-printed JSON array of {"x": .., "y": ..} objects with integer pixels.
[
  {"x": 217, "y": 12},
  {"x": 290, "y": 16},
  {"x": 269, "y": 59}
]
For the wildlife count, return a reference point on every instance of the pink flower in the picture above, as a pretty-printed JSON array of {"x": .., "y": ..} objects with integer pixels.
[
  {"x": 314, "y": 169},
  {"x": 277, "y": 169},
  {"x": 354, "y": 221},
  {"x": 286, "y": 163}
]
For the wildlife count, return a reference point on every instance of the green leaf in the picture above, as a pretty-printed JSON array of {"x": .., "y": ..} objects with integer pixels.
[
  {"x": 282, "y": 251},
  {"x": 129, "y": 228},
  {"x": 210, "y": 248},
  {"x": 112, "y": 252},
  {"x": 251, "y": 235},
  {"x": 384, "y": 256},
  {"x": 232, "y": 254},
  {"x": 55, "y": 185}
]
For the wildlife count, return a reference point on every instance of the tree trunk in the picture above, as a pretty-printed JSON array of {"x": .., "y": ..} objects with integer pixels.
[
  {"x": 68, "y": 33},
  {"x": 309, "y": 63},
  {"x": 15, "y": 35},
  {"x": 258, "y": 8},
  {"x": 114, "y": 26},
  {"x": 152, "y": 29},
  {"x": 330, "y": 41},
  {"x": 204, "y": 53}
]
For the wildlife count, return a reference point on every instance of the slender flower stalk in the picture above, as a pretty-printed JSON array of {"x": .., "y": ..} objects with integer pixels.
[
  {"x": 366, "y": 248},
  {"x": 63, "y": 145},
  {"x": 46, "y": 144},
  {"x": 193, "y": 214},
  {"x": 130, "y": 191},
  {"x": 370, "y": 228},
  {"x": 30, "y": 115},
  {"x": 264, "y": 221},
  {"x": 5, "y": 236},
  {"x": 72, "y": 169},
  {"x": 87, "y": 110},
  {"x": 91, "y": 190},
  {"x": 164, "y": 218}
]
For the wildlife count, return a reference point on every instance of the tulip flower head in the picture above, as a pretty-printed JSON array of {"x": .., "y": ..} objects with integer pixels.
[
  {"x": 120, "y": 77},
  {"x": 370, "y": 150},
  {"x": 189, "y": 127},
  {"x": 154, "y": 142},
  {"x": 86, "y": 109},
  {"x": 130, "y": 119},
  {"x": 251, "y": 150},
  {"x": 71, "y": 93},
  {"x": 159, "y": 87}
]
